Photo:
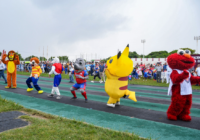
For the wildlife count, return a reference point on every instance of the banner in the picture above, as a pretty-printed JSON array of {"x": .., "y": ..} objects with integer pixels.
[{"x": 197, "y": 59}]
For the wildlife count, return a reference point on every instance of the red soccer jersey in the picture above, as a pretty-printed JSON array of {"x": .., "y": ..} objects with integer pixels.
[
  {"x": 58, "y": 68},
  {"x": 83, "y": 74}
]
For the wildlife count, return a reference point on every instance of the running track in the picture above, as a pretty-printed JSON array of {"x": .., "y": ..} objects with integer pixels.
[{"x": 147, "y": 117}]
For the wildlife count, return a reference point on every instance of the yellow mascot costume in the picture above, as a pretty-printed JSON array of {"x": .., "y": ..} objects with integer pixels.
[{"x": 118, "y": 69}]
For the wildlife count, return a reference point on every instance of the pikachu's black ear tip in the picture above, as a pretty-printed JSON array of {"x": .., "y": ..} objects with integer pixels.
[
  {"x": 127, "y": 45},
  {"x": 119, "y": 54}
]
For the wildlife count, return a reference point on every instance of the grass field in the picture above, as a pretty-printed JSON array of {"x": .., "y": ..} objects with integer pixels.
[
  {"x": 45, "y": 127},
  {"x": 149, "y": 82}
]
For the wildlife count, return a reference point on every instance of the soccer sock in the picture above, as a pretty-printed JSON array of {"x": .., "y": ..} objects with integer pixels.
[
  {"x": 73, "y": 92},
  {"x": 84, "y": 94}
]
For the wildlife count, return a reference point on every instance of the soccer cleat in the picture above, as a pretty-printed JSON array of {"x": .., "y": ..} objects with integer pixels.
[
  {"x": 86, "y": 100},
  {"x": 40, "y": 91},
  {"x": 58, "y": 97},
  {"x": 50, "y": 95},
  {"x": 29, "y": 89},
  {"x": 73, "y": 98},
  {"x": 117, "y": 103},
  {"x": 111, "y": 105}
]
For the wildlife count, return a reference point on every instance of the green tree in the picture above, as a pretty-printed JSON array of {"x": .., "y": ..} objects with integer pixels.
[
  {"x": 29, "y": 57},
  {"x": 133, "y": 54},
  {"x": 175, "y": 51},
  {"x": 159, "y": 54}
]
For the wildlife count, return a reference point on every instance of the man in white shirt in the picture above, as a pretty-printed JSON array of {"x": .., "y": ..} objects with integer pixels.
[
  {"x": 198, "y": 70},
  {"x": 2, "y": 68}
]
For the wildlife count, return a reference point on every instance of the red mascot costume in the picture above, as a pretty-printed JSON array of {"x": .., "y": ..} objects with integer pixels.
[{"x": 180, "y": 85}]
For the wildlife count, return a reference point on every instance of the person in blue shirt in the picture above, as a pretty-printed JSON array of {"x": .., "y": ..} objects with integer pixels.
[
  {"x": 87, "y": 67},
  {"x": 91, "y": 69},
  {"x": 101, "y": 72},
  {"x": 164, "y": 67},
  {"x": 96, "y": 72},
  {"x": 149, "y": 74}
]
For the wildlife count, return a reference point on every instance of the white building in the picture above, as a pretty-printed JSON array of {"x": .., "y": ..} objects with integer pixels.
[{"x": 148, "y": 60}]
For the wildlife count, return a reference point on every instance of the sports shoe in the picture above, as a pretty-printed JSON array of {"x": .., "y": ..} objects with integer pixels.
[
  {"x": 86, "y": 100},
  {"x": 29, "y": 89},
  {"x": 92, "y": 81},
  {"x": 58, "y": 97},
  {"x": 40, "y": 91},
  {"x": 117, "y": 103},
  {"x": 50, "y": 95},
  {"x": 73, "y": 98},
  {"x": 100, "y": 81},
  {"x": 111, "y": 105}
]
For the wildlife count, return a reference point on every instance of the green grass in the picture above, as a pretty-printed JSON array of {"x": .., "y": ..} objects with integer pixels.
[
  {"x": 140, "y": 81},
  {"x": 46, "y": 127}
]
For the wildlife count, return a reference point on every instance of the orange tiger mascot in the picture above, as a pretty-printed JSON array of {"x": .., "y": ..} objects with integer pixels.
[{"x": 11, "y": 63}]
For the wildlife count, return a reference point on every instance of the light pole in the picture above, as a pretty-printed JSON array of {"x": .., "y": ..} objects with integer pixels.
[
  {"x": 143, "y": 41},
  {"x": 197, "y": 38}
]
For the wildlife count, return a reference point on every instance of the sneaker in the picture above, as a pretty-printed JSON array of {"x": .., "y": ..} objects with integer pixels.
[
  {"x": 92, "y": 81},
  {"x": 50, "y": 95},
  {"x": 111, "y": 105},
  {"x": 100, "y": 81},
  {"x": 86, "y": 100},
  {"x": 40, "y": 91},
  {"x": 58, "y": 97},
  {"x": 73, "y": 98},
  {"x": 117, "y": 103}
]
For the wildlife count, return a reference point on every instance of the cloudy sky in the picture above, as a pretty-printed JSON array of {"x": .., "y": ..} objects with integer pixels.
[{"x": 97, "y": 28}]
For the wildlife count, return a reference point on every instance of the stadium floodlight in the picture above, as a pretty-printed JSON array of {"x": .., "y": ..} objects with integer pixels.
[
  {"x": 143, "y": 41},
  {"x": 197, "y": 38}
]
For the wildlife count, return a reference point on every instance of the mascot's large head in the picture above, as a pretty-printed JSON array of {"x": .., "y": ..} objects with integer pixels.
[
  {"x": 79, "y": 65},
  {"x": 11, "y": 55},
  {"x": 34, "y": 61},
  {"x": 181, "y": 60},
  {"x": 120, "y": 65},
  {"x": 55, "y": 60}
]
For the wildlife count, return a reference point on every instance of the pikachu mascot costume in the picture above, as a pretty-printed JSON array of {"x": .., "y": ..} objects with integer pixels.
[
  {"x": 118, "y": 69},
  {"x": 13, "y": 60}
]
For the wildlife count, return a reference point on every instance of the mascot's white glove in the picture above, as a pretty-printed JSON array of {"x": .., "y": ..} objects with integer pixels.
[{"x": 36, "y": 76}]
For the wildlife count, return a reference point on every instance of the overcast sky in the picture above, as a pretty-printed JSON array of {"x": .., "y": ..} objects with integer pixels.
[{"x": 72, "y": 27}]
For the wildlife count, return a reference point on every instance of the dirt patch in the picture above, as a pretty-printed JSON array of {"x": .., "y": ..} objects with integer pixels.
[{"x": 35, "y": 116}]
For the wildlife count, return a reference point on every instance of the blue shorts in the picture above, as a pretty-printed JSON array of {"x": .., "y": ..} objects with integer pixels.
[
  {"x": 57, "y": 80},
  {"x": 81, "y": 86}
]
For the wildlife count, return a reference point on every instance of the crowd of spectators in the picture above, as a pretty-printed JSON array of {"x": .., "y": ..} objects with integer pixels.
[{"x": 159, "y": 72}]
